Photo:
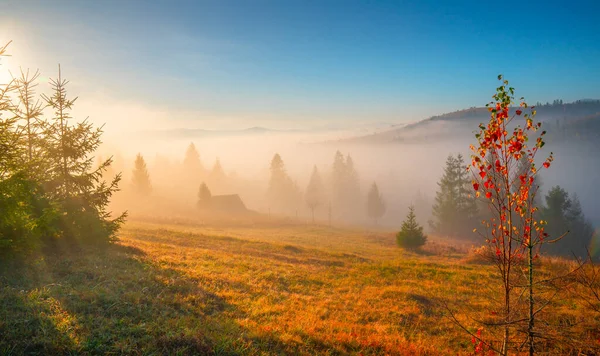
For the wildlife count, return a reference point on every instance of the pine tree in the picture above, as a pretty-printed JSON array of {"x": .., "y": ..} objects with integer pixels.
[
  {"x": 10, "y": 149},
  {"x": 315, "y": 192},
  {"x": 282, "y": 192},
  {"x": 338, "y": 180},
  {"x": 375, "y": 204},
  {"x": 204, "y": 196},
  {"x": 455, "y": 209},
  {"x": 445, "y": 207},
  {"x": 466, "y": 203},
  {"x": 141, "y": 179},
  {"x": 567, "y": 223},
  {"x": 22, "y": 218},
  {"x": 192, "y": 164},
  {"x": 29, "y": 111},
  {"x": 581, "y": 229},
  {"x": 72, "y": 181},
  {"x": 411, "y": 233},
  {"x": 345, "y": 186}
]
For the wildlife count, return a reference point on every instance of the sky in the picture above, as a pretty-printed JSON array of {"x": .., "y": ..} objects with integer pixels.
[{"x": 290, "y": 64}]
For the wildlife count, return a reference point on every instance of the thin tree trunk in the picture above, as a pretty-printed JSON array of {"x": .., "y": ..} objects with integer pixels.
[
  {"x": 531, "y": 315},
  {"x": 504, "y": 350}
]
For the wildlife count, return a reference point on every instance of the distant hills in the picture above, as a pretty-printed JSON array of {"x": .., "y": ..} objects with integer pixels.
[
  {"x": 562, "y": 120},
  {"x": 349, "y": 129}
]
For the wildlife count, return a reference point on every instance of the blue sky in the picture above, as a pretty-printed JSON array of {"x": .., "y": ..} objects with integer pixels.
[{"x": 304, "y": 62}]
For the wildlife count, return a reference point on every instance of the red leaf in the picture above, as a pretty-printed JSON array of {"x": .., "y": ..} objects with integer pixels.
[
  {"x": 519, "y": 112},
  {"x": 476, "y": 186},
  {"x": 488, "y": 195}
]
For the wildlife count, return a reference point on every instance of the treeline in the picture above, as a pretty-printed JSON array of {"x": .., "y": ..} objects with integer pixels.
[
  {"x": 49, "y": 188},
  {"x": 339, "y": 196},
  {"x": 457, "y": 212},
  {"x": 186, "y": 174}
]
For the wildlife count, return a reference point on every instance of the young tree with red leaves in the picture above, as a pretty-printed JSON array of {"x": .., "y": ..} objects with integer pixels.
[{"x": 512, "y": 232}]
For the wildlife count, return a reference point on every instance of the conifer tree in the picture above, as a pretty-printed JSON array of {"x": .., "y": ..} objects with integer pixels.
[
  {"x": 466, "y": 203},
  {"x": 29, "y": 111},
  {"x": 567, "y": 223},
  {"x": 192, "y": 164},
  {"x": 141, "y": 179},
  {"x": 73, "y": 183},
  {"x": 22, "y": 217},
  {"x": 445, "y": 206},
  {"x": 375, "y": 204},
  {"x": 204, "y": 195},
  {"x": 315, "y": 192},
  {"x": 345, "y": 186},
  {"x": 455, "y": 209},
  {"x": 282, "y": 192},
  {"x": 338, "y": 180},
  {"x": 411, "y": 233}
]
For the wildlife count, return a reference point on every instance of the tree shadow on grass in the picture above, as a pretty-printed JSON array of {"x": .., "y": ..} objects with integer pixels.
[
  {"x": 109, "y": 300},
  {"x": 117, "y": 300}
]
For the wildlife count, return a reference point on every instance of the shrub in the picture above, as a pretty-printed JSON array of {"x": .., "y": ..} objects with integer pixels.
[{"x": 411, "y": 234}]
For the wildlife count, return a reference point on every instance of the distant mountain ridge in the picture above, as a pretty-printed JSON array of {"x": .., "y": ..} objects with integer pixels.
[{"x": 581, "y": 118}]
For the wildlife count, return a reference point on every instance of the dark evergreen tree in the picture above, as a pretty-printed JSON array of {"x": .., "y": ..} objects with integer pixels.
[
  {"x": 565, "y": 218},
  {"x": 375, "y": 204},
  {"x": 466, "y": 203},
  {"x": 455, "y": 210},
  {"x": 411, "y": 233}
]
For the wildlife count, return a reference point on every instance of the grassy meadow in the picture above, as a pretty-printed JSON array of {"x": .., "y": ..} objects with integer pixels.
[{"x": 185, "y": 289}]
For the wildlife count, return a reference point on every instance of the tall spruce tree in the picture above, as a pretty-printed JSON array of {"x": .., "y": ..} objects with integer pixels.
[
  {"x": 566, "y": 222},
  {"x": 282, "y": 192},
  {"x": 467, "y": 205},
  {"x": 192, "y": 164},
  {"x": 315, "y": 192},
  {"x": 29, "y": 110},
  {"x": 72, "y": 181},
  {"x": 455, "y": 209},
  {"x": 345, "y": 187},
  {"x": 375, "y": 203},
  {"x": 338, "y": 178}
]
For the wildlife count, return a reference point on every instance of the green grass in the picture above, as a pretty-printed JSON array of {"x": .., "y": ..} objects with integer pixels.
[{"x": 185, "y": 289}]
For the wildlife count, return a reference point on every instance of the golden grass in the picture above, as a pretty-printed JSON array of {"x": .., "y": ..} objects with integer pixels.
[{"x": 189, "y": 289}]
